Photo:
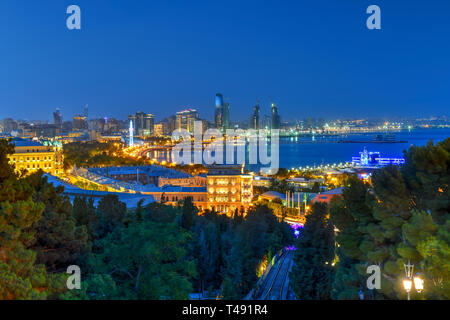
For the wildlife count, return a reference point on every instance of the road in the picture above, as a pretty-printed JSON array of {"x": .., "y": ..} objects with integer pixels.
[{"x": 276, "y": 285}]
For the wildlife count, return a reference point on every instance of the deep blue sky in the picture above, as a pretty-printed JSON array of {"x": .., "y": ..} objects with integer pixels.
[{"x": 313, "y": 58}]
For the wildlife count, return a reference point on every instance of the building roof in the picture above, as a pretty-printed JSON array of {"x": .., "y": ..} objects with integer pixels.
[
  {"x": 229, "y": 170},
  {"x": 273, "y": 195},
  {"x": 26, "y": 143},
  {"x": 152, "y": 171},
  {"x": 130, "y": 199},
  {"x": 97, "y": 175},
  {"x": 333, "y": 191}
]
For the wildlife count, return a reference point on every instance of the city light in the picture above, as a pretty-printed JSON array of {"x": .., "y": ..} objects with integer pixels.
[{"x": 407, "y": 284}]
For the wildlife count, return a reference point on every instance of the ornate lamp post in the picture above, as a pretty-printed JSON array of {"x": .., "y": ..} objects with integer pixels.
[{"x": 410, "y": 279}]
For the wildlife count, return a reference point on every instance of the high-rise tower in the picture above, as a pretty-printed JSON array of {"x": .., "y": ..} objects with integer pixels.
[
  {"x": 275, "y": 123},
  {"x": 57, "y": 118},
  {"x": 218, "y": 111},
  {"x": 86, "y": 111},
  {"x": 143, "y": 123},
  {"x": 225, "y": 116},
  {"x": 255, "y": 118}
]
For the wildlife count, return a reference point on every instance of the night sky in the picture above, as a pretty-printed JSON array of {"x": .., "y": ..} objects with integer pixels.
[{"x": 312, "y": 58}]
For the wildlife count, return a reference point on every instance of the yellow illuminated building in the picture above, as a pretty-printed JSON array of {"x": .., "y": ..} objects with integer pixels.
[
  {"x": 32, "y": 156},
  {"x": 229, "y": 189}
]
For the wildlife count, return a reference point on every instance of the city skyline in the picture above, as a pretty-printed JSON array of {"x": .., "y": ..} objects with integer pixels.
[
  {"x": 311, "y": 60},
  {"x": 224, "y": 154}
]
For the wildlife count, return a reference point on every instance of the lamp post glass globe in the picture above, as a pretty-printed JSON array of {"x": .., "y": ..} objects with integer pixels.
[
  {"x": 418, "y": 284},
  {"x": 407, "y": 284}
]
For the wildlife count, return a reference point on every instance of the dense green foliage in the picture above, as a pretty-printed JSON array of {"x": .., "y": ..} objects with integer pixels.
[
  {"x": 312, "y": 274},
  {"x": 403, "y": 216},
  {"x": 22, "y": 276},
  {"x": 152, "y": 252},
  {"x": 165, "y": 252},
  {"x": 169, "y": 252}
]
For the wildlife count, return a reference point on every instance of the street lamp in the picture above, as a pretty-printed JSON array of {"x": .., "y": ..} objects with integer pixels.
[
  {"x": 418, "y": 283},
  {"x": 410, "y": 279}
]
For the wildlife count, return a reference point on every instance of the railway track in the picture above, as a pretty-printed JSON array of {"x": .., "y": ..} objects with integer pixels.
[{"x": 274, "y": 289}]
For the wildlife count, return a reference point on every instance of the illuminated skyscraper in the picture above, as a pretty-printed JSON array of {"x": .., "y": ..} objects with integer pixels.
[
  {"x": 218, "y": 111},
  {"x": 221, "y": 113},
  {"x": 255, "y": 118},
  {"x": 225, "y": 116},
  {"x": 185, "y": 119},
  {"x": 86, "y": 111},
  {"x": 275, "y": 123},
  {"x": 57, "y": 118},
  {"x": 143, "y": 123},
  {"x": 79, "y": 123}
]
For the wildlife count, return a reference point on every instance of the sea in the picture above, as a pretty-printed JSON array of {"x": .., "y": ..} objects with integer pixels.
[
  {"x": 322, "y": 150},
  {"x": 295, "y": 152}
]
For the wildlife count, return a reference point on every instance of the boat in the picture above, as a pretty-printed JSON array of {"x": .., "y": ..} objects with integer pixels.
[{"x": 379, "y": 138}]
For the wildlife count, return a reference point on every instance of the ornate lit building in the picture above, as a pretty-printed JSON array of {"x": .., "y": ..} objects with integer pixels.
[
  {"x": 229, "y": 189},
  {"x": 32, "y": 156}
]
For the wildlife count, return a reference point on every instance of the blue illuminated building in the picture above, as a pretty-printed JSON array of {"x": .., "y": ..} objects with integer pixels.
[{"x": 373, "y": 159}]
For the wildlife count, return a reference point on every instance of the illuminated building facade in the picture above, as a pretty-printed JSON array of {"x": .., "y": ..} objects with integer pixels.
[
  {"x": 159, "y": 129},
  {"x": 221, "y": 113},
  {"x": 229, "y": 189},
  {"x": 79, "y": 123},
  {"x": 185, "y": 120},
  {"x": 255, "y": 118},
  {"x": 218, "y": 111},
  {"x": 373, "y": 159},
  {"x": 33, "y": 156},
  {"x": 57, "y": 118},
  {"x": 143, "y": 123},
  {"x": 275, "y": 117}
]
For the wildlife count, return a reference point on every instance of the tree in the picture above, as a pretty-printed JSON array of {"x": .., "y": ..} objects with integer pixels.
[
  {"x": 246, "y": 245},
  {"x": 58, "y": 242},
  {"x": 315, "y": 188},
  {"x": 427, "y": 244},
  {"x": 145, "y": 260},
  {"x": 352, "y": 216},
  {"x": 84, "y": 213},
  {"x": 20, "y": 276},
  {"x": 189, "y": 211},
  {"x": 111, "y": 214},
  {"x": 401, "y": 218},
  {"x": 312, "y": 275}
]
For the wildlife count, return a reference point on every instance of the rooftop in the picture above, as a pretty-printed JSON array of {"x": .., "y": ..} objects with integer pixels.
[{"x": 26, "y": 143}]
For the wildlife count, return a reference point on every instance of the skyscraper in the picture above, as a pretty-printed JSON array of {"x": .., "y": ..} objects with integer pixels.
[
  {"x": 57, "y": 118},
  {"x": 86, "y": 111},
  {"x": 275, "y": 123},
  {"x": 79, "y": 123},
  {"x": 255, "y": 118},
  {"x": 185, "y": 119},
  {"x": 218, "y": 111},
  {"x": 221, "y": 113},
  {"x": 143, "y": 123},
  {"x": 225, "y": 116}
]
